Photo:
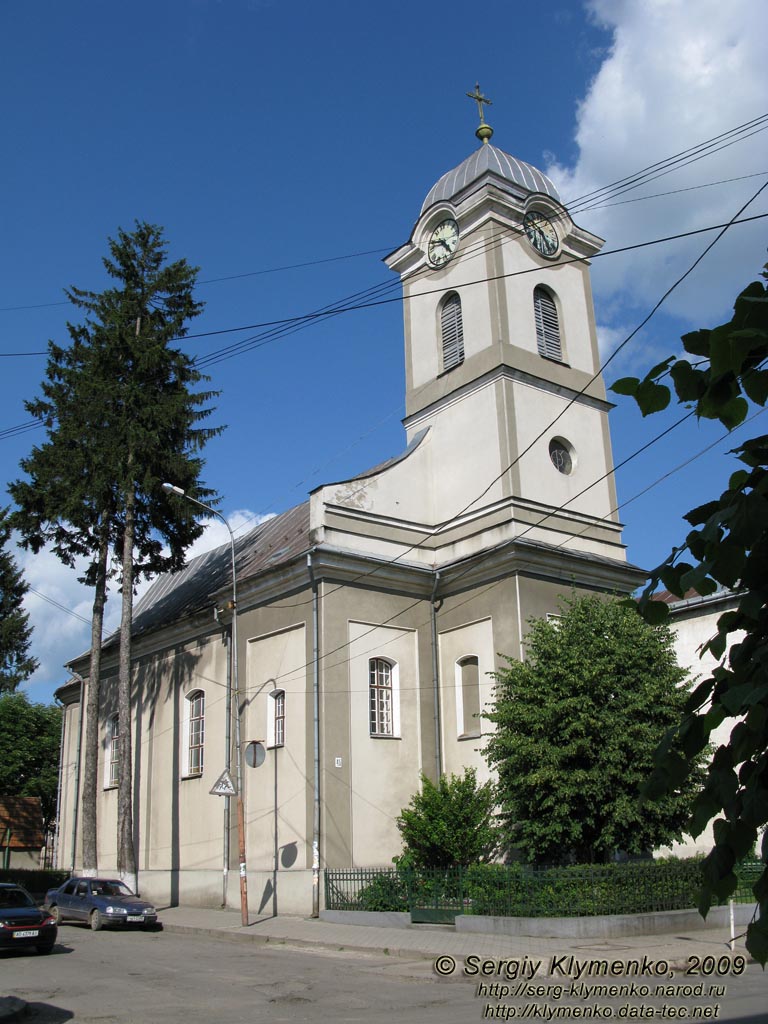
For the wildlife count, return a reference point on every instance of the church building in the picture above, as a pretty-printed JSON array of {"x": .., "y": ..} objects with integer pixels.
[{"x": 370, "y": 618}]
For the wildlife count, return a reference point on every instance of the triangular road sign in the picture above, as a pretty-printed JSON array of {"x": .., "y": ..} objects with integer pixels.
[{"x": 224, "y": 786}]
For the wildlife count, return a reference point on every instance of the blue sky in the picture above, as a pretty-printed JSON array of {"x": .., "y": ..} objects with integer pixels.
[{"x": 265, "y": 136}]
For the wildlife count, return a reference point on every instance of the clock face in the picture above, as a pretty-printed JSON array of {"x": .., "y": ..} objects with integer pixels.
[
  {"x": 443, "y": 242},
  {"x": 541, "y": 233}
]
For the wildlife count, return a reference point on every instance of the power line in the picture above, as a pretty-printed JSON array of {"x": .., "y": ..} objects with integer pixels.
[
  {"x": 245, "y": 345},
  {"x": 662, "y": 167}
]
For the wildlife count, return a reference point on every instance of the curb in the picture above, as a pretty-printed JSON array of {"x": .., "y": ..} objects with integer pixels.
[
  {"x": 272, "y": 940},
  {"x": 676, "y": 963},
  {"x": 12, "y": 1008}
]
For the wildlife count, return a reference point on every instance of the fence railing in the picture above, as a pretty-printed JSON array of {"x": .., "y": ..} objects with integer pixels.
[{"x": 518, "y": 891}]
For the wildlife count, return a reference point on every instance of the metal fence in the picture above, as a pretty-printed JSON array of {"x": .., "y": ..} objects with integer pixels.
[{"x": 518, "y": 891}]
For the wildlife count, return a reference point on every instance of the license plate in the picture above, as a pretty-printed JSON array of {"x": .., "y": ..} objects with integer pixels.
[
  {"x": 134, "y": 917},
  {"x": 30, "y": 933}
]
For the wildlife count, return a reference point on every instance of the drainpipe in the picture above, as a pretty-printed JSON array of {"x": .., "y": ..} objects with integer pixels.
[
  {"x": 434, "y": 607},
  {"x": 55, "y": 857},
  {"x": 227, "y": 765},
  {"x": 76, "y": 808},
  {"x": 316, "y": 741}
]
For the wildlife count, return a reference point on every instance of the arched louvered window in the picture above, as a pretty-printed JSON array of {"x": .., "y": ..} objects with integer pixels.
[
  {"x": 547, "y": 325},
  {"x": 452, "y": 331}
]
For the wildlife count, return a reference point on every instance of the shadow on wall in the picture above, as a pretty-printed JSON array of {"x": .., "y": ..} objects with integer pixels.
[
  {"x": 159, "y": 680},
  {"x": 287, "y": 858}
]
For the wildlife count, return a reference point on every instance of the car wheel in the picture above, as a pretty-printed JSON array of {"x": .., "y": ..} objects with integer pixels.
[
  {"x": 97, "y": 921},
  {"x": 55, "y": 913},
  {"x": 44, "y": 950}
]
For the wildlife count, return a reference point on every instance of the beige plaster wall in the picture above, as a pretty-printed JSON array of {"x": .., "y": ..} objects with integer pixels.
[
  {"x": 276, "y": 793},
  {"x": 471, "y": 638},
  {"x": 384, "y": 771}
]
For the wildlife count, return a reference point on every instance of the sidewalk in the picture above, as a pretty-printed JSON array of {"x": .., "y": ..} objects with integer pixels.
[{"x": 431, "y": 941}]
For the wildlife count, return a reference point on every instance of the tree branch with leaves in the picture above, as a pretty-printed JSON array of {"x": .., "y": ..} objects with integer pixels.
[{"x": 727, "y": 547}]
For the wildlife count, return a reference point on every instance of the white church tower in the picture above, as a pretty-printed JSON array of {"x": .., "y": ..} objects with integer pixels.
[{"x": 506, "y": 413}]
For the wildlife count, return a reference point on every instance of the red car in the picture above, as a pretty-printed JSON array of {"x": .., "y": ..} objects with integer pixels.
[{"x": 22, "y": 922}]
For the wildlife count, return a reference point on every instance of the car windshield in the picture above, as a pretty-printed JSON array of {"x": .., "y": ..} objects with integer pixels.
[
  {"x": 114, "y": 889},
  {"x": 15, "y": 898}
]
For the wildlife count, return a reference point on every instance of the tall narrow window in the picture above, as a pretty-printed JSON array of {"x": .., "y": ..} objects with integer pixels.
[
  {"x": 381, "y": 697},
  {"x": 547, "y": 325},
  {"x": 113, "y": 740},
  {"x": 276, "y": 719},
  {"x": 468, "y": 696},
  {"x": 196, "y": 732},
  {"x": 452, "y": 330}
]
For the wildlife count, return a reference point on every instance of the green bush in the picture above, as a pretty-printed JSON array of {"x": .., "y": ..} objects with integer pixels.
[
  {"x": 518, "y": 890},
  {"x": 385, "y": 892},
  {"x": 36, "y": 881}
]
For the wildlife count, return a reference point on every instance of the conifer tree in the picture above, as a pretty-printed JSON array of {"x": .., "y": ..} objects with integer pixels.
[
  {"x": 122, "y": 417},
  {"x": 16, "y": 663}
]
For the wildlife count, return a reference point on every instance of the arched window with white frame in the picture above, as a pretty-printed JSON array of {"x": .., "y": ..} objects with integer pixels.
[
  {"x": 112, "y": 766},
  {"x": 383, "y": 697},
  {"x": 193, "y": 734},
  {"x": 276, "y": 718},
  {"x": 451, "y": 331},
  {"x": 467, "y": 689},
  {"x": 548, "y": 339}
]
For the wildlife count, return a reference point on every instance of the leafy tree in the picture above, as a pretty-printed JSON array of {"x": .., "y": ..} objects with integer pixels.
[
  {"x": 451, "y": 823},
  {"x": 16, "y": 663},
  {"x": 122, "y": 417},
  {"x": 728, "y": 546},
  {"x": 29, "y": 753},
  {"x": 577, "y": 724}
]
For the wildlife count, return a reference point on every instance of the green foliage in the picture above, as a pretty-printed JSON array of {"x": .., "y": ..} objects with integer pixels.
[
  {"x": 36, "y": 881},
  {"x": 29, "y": 752},
  {"x": 122, "y": 417},
  {"x": 450, "y": 823},
  {"x": 16, "y": 664},
  {"x": 728, "y": 547},
  {"x": 386, "y": 892},
  {"x": 576, "y": 726},
  {"x": 518, "y": 890}
]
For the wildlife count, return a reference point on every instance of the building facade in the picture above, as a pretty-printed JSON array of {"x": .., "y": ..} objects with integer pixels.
[{"x": 370, "y": 618}]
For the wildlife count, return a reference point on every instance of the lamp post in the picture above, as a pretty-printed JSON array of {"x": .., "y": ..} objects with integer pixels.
[{"x": 234, "y": 698}]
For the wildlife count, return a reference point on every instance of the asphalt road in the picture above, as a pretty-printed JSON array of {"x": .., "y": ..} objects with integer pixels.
[{"x": 121, "y": 978}]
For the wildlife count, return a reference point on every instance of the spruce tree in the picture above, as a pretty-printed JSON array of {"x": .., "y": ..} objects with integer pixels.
[
  {"x": 122, "y": 417},
  {"x": 16, "y": 663}
]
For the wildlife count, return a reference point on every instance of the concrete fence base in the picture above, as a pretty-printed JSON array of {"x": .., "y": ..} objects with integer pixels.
[{"x": 609, "y": 926}]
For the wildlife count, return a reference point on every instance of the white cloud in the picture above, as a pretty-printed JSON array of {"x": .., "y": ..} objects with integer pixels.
[
  {"x": 676, "y": 75},
  {"x": 58, "y": 604}
]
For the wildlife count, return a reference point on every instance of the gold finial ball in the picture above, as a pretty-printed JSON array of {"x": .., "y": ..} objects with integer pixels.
[{"x": 484, "y": 133}]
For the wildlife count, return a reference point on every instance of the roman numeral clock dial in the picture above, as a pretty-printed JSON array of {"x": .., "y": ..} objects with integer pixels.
[
  {"x": 541, "y": 233},
  {"x": 443, "y": 242}
]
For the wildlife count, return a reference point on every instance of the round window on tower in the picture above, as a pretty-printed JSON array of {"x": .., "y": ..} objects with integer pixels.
[{"x": 562, "y": 454}]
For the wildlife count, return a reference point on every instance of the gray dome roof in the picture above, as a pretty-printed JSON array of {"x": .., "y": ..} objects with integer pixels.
[{"x": 489, "y": 158}]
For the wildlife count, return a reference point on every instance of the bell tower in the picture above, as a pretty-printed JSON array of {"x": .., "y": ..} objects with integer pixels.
[{"x": 501, "y": 352}]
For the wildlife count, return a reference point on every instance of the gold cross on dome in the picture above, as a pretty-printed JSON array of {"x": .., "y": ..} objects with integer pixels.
[{"x": 478, "y": 97}]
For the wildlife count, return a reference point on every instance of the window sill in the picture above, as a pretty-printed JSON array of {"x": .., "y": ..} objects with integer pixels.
[
  {"x": 554, "y": 359},
  {"x": 110, "y": 785},
  {"x": 382, "y": 736},
  {"x": 275, "y": 746},
  {"x": 450, "y": 369},
  {"x": 470, "y": 736},
  {"x": 191, "y": 775}
]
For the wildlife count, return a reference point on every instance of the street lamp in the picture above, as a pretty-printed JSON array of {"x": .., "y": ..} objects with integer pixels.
[{"x": 234, "y": 692}]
